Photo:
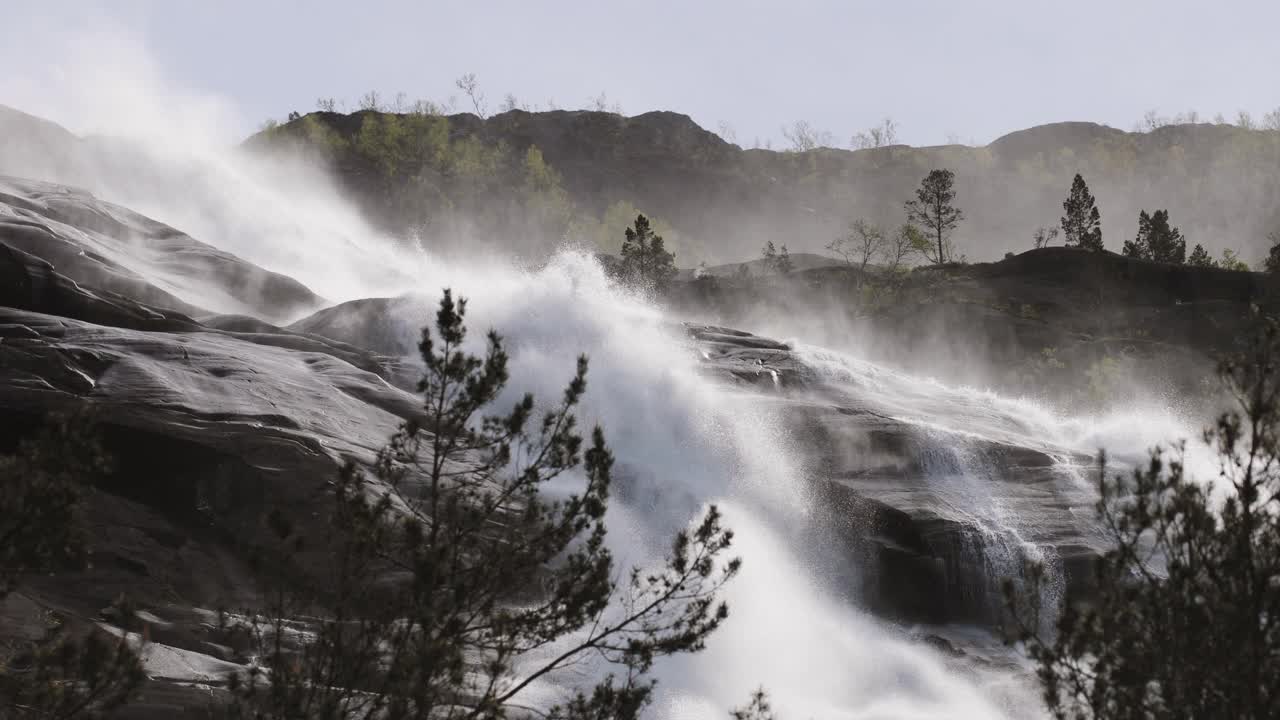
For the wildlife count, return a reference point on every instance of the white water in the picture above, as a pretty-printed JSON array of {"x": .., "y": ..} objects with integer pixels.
[{"x": 682, "y": 441}]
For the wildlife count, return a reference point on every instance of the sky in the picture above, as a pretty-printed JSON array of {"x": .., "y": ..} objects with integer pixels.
[{"x": 967, "y": 71}]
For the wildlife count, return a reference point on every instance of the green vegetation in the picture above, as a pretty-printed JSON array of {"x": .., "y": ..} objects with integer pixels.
[
  {"x": 1082, "y": 224},
  {"x": 450, "y": 567},
  {"x": 74, "y": 671},
  {"x": 1184, "y": 624},
  {"x": 1231, "y": 261},
  {"x": 646, "y": 264},
  {"x": 932, "y": 209}
]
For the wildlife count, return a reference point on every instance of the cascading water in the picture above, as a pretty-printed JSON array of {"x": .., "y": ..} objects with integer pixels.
[{"x": 682, "y": 440}]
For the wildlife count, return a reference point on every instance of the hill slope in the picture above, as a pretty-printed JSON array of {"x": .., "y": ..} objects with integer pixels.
[{"x": 1221, "y": 183}]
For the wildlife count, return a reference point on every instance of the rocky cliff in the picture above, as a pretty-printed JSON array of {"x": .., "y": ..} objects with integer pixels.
[{"x": 927, "y": 497}]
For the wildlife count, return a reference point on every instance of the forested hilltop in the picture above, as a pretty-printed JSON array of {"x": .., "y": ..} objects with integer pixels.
[{"x": 527, "y": 180}]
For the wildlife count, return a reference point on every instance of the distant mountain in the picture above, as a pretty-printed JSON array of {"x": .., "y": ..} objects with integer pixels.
[
  {"x": 1220, "y": 183},
  {"x": 466, "y": 180}
]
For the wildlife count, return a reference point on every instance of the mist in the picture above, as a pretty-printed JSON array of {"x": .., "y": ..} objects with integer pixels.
[{"x": 683, "y": 439}]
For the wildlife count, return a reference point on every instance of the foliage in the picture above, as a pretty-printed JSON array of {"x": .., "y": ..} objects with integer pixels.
[
  {"x": 603, "y": 233},
  {"x": 1184, "y": 624},
  {"x": 861, "y": 245},
  {"x": 64, "y": 677},
  {"x": 778, "y": 261},
  {"x": 882, "y": 135},
  {"x": 646, "y": 263},
  {"x": 805, "y": 137},
  {"x": 1043, "y": 237},
  {"x": 1200, "y": 257},
  {"x": 1272, "y": 261},
  {"x": 1231, "y": 261},
  {"x": 68, "y": 673},
  {"x": 1157, "y": 240},
  {"x": 757, "y": 709},
  {"x": 933, "y": 210},
  {"x": 1082, "y": 224},
  {"x": 456, "y": 583}
]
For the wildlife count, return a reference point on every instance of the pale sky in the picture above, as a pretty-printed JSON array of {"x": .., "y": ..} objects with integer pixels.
[{"x": 968, "y": 70}]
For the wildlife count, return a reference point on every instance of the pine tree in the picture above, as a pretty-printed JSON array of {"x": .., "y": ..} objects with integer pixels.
[
  {"x": 1082, "y": 224},
  {"x": 1200, "y": 257},
  {"x": 1184, "y": 622},
  {"x": 933, "y": 210},
  {"x": 1157, "y": 240},
  {"x": 451, "y": 567},
  {"x": 645, "y": 261}
]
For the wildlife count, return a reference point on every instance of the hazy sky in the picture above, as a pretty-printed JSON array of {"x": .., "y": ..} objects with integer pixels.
[{"x": 970, "y": 70}]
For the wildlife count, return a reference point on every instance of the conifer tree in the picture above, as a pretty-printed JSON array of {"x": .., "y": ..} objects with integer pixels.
[
  {"x": 1186, "y": 621},
  {"x": 1082, "y": 224},
  {"x": 932, "y": 210},
  {"x": 645, "y": 260},
  {"x": 1157, "y": 240},
  {"x": 457, "y": 584},
  {"x": 1200, "y": 257}
]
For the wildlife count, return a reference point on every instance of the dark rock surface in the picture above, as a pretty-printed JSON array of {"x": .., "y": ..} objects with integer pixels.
[
  {"x": 930, "y": 493},
  {"x": 208, "y": 425},
  {"x": 991, "y": 324},
  {"x": 112, "y": 248},
  {"x": 938, "y": 493}
]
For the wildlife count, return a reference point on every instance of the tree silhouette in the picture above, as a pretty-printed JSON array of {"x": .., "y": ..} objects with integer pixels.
[
  {"x": 645, "y": 260},
  {"x": 1157, "y": 240},
  {"x": 932, "y": 209},
  {"x": 1200, "y": 257},
  {"x": 1272, "y": 261},
  {"x": 778, "y": 261},
  {"x": 1082, "y": 224},
  {"x": 456, "y": 584},
  {"x": 1186, "y": 622}
]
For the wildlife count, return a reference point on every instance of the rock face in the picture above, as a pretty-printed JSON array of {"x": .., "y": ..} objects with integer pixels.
[
  {"x": 932, "y": 494},
  {"x": 1036, "y": 323},
  {"x": 208, "y": 422},
  {"x": 938, "y": 493},
  {"x": 108, "y": 247}
]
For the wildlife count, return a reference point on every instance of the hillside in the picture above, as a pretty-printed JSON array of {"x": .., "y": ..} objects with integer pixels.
[
  {"x": 1220, "y": 182},
  {"x": 1086, "y": 330}
]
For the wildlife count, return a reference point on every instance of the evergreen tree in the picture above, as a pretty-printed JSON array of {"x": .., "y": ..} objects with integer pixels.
[
  {"x": 933, "y": 210},
  {"x": 645, "y": 260},
  {"x": 1186, "y": 621},
  {"x": 451, "y": 568},
  {"x": 1082, "y": 224},
  {"x": 74, "y": 671},
  {"x": 1200, "y": 257},
  {"x": 1272, "y": 261},
  {"x": 1157, "y": 240}
]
